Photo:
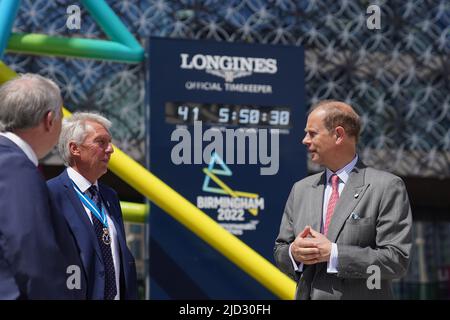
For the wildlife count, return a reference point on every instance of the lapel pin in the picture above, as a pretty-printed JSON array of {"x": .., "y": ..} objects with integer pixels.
[{"x": 356, "y": 195}]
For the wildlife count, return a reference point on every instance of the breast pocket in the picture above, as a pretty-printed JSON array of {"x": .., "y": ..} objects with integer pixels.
[
  {"x": 360, "y": 232},
  {"x": 360, "y": 221}
]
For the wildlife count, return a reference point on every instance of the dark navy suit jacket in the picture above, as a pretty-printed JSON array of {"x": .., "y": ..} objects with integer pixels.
[
  {"x": 67, "y": 204},
  {"x": 35, "y": 250}
]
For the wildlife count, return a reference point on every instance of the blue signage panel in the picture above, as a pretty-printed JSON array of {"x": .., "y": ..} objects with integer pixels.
[{"x": 226, "y": 123}]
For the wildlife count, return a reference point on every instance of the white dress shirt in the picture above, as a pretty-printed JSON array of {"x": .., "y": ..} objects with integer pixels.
[
  {"x": 23, "y": 145},
  {"x": 343, "y": 175},
  {"x": 83, "y": 184}
]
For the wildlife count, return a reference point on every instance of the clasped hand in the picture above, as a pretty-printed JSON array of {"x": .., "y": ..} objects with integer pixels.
[{"x": 311, "y": 247}]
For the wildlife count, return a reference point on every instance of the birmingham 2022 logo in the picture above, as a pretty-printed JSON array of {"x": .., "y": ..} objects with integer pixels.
[{"x": 231, "y": 205}]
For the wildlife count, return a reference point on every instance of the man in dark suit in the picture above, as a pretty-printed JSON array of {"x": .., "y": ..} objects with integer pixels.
[
  {"x": 34, "y": 254},
  {"x": 345, "y": 232},
  {"x": 92, "y": 209}
]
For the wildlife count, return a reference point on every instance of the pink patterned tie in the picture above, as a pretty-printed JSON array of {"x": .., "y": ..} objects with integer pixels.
[{"x": 332, "y": 202}]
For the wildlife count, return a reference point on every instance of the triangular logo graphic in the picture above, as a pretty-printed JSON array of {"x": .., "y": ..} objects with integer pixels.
[
  {"x": 212, "y": 173},
  {"x": 216, "y": 159},
  {"x": 223, "y": 171}
]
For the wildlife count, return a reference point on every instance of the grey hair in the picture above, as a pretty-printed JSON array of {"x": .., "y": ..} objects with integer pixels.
[
  {"x": 26, "y": 99},
  {"x": 75, "y": 129}
]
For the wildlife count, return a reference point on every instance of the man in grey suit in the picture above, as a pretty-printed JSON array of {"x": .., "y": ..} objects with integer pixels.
[{"x": 346, "y": 232}]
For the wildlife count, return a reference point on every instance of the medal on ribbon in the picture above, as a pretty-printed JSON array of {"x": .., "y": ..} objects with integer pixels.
[
  {"x": 106, "y": 238},
  {"x": 99, "y": 214}
]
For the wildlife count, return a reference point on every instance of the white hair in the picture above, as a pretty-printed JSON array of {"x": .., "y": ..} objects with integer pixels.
[
  {"x": 26, "y": 99},
  {"x": 75, "y": 129}
]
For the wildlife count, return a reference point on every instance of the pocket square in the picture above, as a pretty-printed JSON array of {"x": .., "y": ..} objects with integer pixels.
[{"x": 354, "y": 216}]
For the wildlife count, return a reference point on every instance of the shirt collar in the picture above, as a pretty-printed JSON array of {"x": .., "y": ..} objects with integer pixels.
[
  {"x": 81, "y": 182},
  {"x": 344, "y": 172},
  {"x": 23, "y": 145}
]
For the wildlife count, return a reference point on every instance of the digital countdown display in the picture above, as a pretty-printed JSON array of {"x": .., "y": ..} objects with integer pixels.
[
  {"x": 228, "y": 115},
  {"x": 225, "y": 122}
]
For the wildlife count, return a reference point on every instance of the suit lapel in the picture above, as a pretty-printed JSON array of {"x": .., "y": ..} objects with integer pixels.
[
  {"x": 351, "y": 195},
  {"x": 80, "y": 213},
  {"x": 315, "y": 211},
  {"x": 112, "y": 212},
  {"x": 121, "y": 240}
]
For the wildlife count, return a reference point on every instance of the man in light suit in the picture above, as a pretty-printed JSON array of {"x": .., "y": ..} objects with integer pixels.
[
  {"x": 345, "y": 233},
  {"x": 92, "y": 209},
  {"x": 35, "y": 252}
]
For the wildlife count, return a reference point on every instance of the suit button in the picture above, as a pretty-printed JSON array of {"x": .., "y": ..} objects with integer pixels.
[{"x": 101, "y": 274}]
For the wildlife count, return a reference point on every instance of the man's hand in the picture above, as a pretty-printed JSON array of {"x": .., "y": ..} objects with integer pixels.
[{"x": 311, "y": 247}]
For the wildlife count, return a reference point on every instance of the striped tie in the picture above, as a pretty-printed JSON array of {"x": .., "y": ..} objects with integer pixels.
[
  {"x": 110, "y": 274},
  {"x": 332, "y": 202}
]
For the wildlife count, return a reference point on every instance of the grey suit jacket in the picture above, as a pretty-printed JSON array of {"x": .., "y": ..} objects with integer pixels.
[{"x": 371, "y": 225}]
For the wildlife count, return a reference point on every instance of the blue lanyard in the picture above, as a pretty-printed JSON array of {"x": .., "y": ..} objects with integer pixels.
[{"x": 101, "y": 215}]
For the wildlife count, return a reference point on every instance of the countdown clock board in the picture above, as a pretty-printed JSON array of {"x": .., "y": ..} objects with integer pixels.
[
  {"x": 225, "y": 123},
  {"x": 228, "y": 115}
]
